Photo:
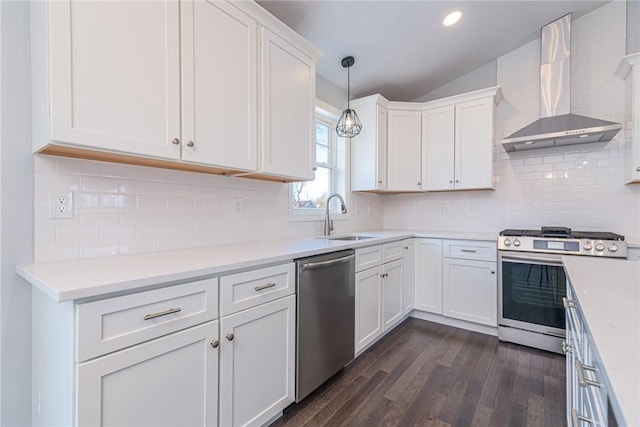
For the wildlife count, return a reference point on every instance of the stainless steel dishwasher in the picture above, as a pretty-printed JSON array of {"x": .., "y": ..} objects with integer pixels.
[{"x": 325, "y": 318}]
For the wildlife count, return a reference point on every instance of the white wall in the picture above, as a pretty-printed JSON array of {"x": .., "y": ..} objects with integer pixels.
[
  {"x": 633, "y": 26},
  {"x": 479, "y": 78},
  {"x": 16, "y": 220},
  {"x": 577, "y": 186}
]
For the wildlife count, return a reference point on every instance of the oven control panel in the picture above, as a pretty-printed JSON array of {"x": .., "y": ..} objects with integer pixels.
[{"x": 602, "y": 248}]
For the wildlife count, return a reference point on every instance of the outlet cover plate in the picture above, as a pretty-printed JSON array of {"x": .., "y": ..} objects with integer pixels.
[{"x": 61, "y": 204}]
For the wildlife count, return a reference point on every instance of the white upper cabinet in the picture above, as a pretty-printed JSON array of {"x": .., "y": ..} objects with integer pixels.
[
  {"x": 115, "y": 75},
  {"x": 369, "y": 149},
  {"x": 438, "y": 134},
  {"x": 404, "y": 171},
  {"x": 474, "y": 145},
  {"x": 219, "y": 103},
  {"x": 174, "y": 84},
  {"x": 629, "y": 69},
  {"x": 439, "y": 145},
  {"x": 288, "y": 109},
  {"x": 458, "y": 141}
]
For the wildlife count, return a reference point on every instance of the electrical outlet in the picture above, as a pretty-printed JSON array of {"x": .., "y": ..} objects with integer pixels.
[
  {"x": 238, "y": 205},
  {"x": 443, "y": 208},
  {"x": 60, "y": 204}
]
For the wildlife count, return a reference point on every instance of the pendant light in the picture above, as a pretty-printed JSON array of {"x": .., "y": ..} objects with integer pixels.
[{"x": 349, "y": 124}]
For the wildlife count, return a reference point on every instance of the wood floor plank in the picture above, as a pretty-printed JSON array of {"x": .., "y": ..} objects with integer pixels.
[
  {"x": 427, "y": 374},
  {"x": 535, "y": 411},
  {"x": 351, "y": 404}
]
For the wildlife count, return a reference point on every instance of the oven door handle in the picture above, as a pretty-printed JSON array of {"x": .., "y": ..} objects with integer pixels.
[{"x": 529, "y": 259}]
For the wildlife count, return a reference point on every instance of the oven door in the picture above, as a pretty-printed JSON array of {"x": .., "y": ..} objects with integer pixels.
[{"x": 530, "y": 292}]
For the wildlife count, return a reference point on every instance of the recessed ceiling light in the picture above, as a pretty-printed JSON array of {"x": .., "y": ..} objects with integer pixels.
[{"x": 452, "y": 18}]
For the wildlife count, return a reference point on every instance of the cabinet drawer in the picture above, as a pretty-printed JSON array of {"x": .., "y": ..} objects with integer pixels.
[
  {"x": 251, "y": 288},
  {"x": 115, "y": 323},
  {"x": 368, "y": 257},
  {"x": 392, "y": 251},
  {"x": 471, "y": 249}
]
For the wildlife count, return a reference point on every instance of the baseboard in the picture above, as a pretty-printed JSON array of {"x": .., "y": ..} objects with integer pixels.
[{"x": 456, "y": 323}]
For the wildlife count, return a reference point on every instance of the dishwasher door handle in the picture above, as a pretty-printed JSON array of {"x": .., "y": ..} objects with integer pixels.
[{"x": 322, "y": 264}]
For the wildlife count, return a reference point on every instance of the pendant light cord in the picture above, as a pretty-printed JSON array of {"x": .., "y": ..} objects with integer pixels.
[{"x": 348, "y": 86}]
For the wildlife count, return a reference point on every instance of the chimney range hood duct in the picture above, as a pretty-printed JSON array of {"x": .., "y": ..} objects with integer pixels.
[{"x": 557, "y": 126}]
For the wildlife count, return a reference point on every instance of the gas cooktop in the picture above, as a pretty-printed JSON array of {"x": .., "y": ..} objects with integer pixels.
[{"x": 563, "y": 240}]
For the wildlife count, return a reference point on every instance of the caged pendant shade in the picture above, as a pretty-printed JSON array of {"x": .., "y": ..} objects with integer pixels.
[{"x": 349, "y": 124}]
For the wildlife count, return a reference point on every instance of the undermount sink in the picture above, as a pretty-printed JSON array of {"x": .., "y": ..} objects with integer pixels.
[{"x": 349, "y": 238}]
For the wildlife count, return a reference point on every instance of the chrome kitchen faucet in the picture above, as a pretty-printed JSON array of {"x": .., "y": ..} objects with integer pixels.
[{"x": 328, "y": 223}]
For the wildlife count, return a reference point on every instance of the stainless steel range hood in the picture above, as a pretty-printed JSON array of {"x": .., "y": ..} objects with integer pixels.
[{"x": 557, "y": 126}]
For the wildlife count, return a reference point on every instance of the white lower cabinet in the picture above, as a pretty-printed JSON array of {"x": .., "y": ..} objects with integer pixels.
[
  {"x": 392, "y": 289},
  {"x": 408, "y": 245},
  {"x": 428, "y": 284},
  {"x": 379, "y": 293},
  {"x": 257, "y": 363},
  {"x": 470, "y": 290},
  {"x": 169, "y": 381},
  {"x": 587, "y": 403},
  {"x": 457, "y": 279},
  {"x": 368, "y": 307}
]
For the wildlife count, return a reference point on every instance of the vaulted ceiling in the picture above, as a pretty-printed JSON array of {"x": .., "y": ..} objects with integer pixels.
[{"x": 401, "y": 48}]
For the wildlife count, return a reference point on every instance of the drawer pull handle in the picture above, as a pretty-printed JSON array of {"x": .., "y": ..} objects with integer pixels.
[
  {"x": 267, "y": 286},
  {"x": 576, "y": 418},
  {"x": 161, "y": 313},
  {"x": 582, "y": 378},
  {"x": 471, "y": 251}
]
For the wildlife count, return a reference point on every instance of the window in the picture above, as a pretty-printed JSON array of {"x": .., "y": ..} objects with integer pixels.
[{"x": 309, "y": 198}]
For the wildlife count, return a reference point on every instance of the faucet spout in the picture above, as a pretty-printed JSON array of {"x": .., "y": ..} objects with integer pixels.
[{"x": 328, "y": 223}]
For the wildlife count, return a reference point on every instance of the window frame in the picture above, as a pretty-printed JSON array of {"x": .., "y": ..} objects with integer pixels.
[{"x": 329, "y": 115}]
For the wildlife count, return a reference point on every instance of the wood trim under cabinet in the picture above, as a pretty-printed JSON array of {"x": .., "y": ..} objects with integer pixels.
[{"x": 105, "y": 156}]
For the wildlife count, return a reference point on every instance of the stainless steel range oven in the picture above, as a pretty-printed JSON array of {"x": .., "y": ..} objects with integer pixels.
[{"x": 532, "y": 282}]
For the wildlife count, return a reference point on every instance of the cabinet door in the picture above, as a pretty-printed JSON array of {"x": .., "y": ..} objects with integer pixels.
[
  {"x": 168, "y": 381},
  {"x": 257, "y": 363},
  {"x": 288, "y": 109},
  {"x": 408, "y": 273},
  {"x": 428, "y": 290},
  {"x": 369, "y": 149},
  {"x": 219, "y": 85},
  {"x": 438, "y": 155},
  {"x": 392, "y": 288},
  {"x": 368, "y": 307},
  {"x": 474, "y": 144},
  {"x": 470, "y": 290},
  {"x": 404, "y": 152},
  {"x": 115, "y": 75}
]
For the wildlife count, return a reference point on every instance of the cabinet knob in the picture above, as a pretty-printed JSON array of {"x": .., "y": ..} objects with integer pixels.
[
  {"x": 419, "y": 184},
  {"x": 190, "y": 144},
  {"x": 450, "y": 182},
  {"x": 638, "y": 169},
  {"x": 457, "y": 181},
  {"x": 230, "y": 336},
  {"x": 406, "y": 247},
  {"x": 214, "y": 343},
  {"x": 493, "y": 272},
  {"x": 315, "y": 168},
  {"x": 175, "y": 141},
  {"x": 379, "y": 182}
]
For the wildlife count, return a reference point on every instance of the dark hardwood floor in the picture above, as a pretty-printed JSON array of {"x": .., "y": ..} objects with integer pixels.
[{"x": 426, "y": 374}]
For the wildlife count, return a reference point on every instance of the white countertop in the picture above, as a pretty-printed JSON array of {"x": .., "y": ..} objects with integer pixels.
[
  {"x": 608, "y": 292},
  {"x": 90, "y": 278}
]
